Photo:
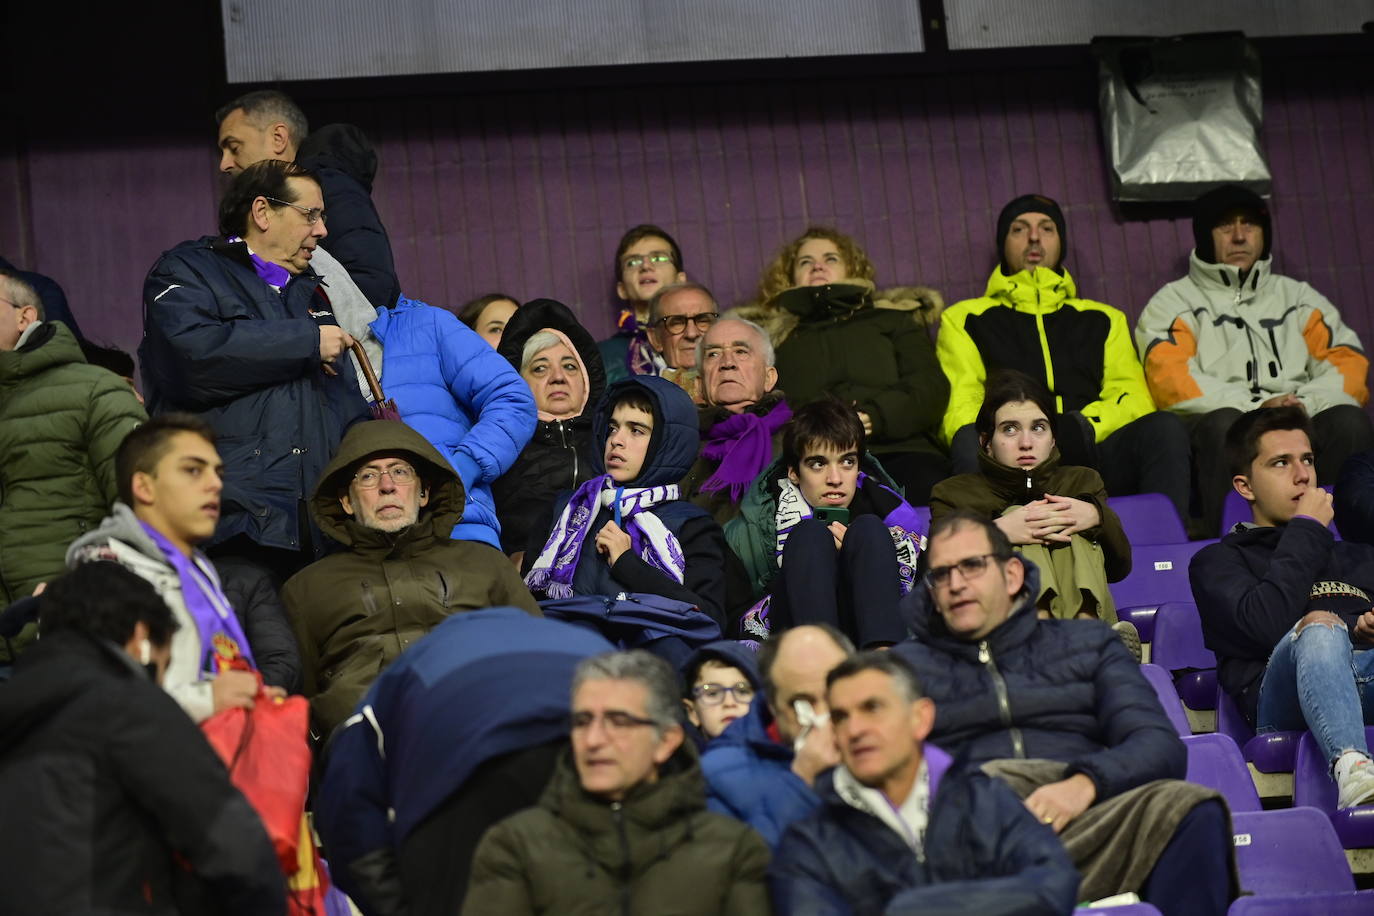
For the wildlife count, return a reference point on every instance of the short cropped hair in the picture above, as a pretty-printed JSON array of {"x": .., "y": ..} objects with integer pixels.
[
  {"x": 889, "y": 663},
  {"x": 673, "y": 289},
  {"x": 768, "y": 655},
  {"x": 827, "y": 421},
  {"x": 537, "y": 343},
  {"x": 634, "y": 396},
  {"x": 967, "y": 518},
  {"x": 146, "y": 445},
  {"x": 638, "y": 234},
  {"x": 664, "y": 705},
  {"x": 765, "y": 342},
  {"x": 777, "y": 276},
  {"x": 104, "y": 600},
  {"x": 472, "y": 310},
  {"x": 1243, "y": 438},
  {"x": 269, "y": 105},
  {"x": 18, "y": 291},
  {"x": 1007, "y": 386},
  {"x": 267, "y": 178}
]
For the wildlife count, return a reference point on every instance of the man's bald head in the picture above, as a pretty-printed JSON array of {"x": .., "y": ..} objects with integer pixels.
[{"x": 794, "y": 664}]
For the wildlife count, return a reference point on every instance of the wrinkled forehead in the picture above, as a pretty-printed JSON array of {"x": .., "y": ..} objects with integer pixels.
[
  {"x": 732, "y": 332},
  {"x": 685, "y": 302}
]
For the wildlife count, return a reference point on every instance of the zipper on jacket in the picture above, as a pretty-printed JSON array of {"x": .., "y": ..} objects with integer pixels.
[
  {"x": 618, "y": 812},
  {"x": 999, "y": 684},
  {"x": 443, "y": 587},
  {"x": 1045, "y": 351},
  {"x": 563, "y": 438}
]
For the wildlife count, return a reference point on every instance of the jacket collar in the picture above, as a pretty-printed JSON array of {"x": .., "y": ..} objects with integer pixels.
[
  {"x": 831, "y": 302},
  {"x": 1225, "y": 278},
  {"x": 1037, "y": 291},
  {"x": 1015, "y": 485},
  {"x": 929, "y": 627},
  {"x": 708, "y": 417}
]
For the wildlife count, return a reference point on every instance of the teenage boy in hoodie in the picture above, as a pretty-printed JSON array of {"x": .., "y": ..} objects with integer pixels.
[
  {"x": 1285, "y": 607},
  {"x": 627, "y": 530}
]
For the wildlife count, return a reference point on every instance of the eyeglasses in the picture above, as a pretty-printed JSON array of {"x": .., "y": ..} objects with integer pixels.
[
  {"x": 312, "y": 214},
  {"x": 616, "y": 721},
  {"x": 15, "y": 304},
  {"x": 636, "y": 261},
  {"x": 969, "y": 568},
  {"x": 714, "y": 694},
  {"x": 401, "y": 475},
  {"x": 676, "y": 324}
]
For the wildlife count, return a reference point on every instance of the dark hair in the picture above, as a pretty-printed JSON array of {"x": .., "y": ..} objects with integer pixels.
[
  {"x": 961, "y": 518},
  {"x": 827, "y": 421},
  {"x": 104, "y": 600},
  {"x": 143, "y": 448},
  {"x": 267, "y": 178},
  {"x": 1007, "y": 386},
  {"x": 638, "y": 234},
  {"x": 472, "y": 310},
  {"x": 111, "y": 358},
  {"x": 262, "y": 104},
  {"x": 1243, "y": 438},
  {"x": 768, "y": 653},
  {"x": 889, "y": 663},
  {"x": 634, "y": 396}
]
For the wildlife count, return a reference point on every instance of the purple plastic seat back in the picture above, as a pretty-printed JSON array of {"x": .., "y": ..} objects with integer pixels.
[
  {"x": 1178, "y": 645},
  {"x": 1142, "y": 618},
  {"x": 1214, "y": 761},
  {"x": 1272, "y": 752},
  {"x": 1289, "y": 851},
  {"x": 1313, "y": 786},
  {"x": 1347, "y": 903},
  {"x": 1235, "y": 510},
  {"x": 1148, "y": 518},
  {"x": 1129, "y": 909},
  {"x": 1163, "y": 684},
  {"x": 1159, "y": 573}
]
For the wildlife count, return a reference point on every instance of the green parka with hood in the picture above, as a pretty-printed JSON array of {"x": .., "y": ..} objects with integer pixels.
[
  {"x": 356, "y": 610},
  {"x": 658, "y": 851}
]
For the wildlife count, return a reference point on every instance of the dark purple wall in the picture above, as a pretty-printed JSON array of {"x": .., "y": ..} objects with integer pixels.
[{"x": 526, "y": 190}]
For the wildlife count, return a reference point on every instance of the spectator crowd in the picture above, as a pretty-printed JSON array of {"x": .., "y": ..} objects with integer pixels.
[{"x": 797, "y": 606}]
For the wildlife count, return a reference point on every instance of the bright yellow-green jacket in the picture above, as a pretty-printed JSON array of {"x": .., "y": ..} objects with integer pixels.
[{"x": 1034, "y": 322}]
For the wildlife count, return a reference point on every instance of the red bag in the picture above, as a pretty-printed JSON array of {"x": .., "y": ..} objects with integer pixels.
[{"x": 267, "y": 752}]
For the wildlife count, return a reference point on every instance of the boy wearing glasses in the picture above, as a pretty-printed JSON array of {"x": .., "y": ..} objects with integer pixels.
[
  {"x": 721, "y": 679},
  {"x": 646, "y": 260},
  {"x": 391, "y": 500}
]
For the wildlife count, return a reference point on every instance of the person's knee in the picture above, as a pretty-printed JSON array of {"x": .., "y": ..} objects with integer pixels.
[
  {"x": 808, "y": 536},
  {"x": 1320, "y": 618}
]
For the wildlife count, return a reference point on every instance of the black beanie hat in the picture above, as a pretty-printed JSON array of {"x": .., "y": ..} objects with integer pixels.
[
  {"x": 1218, "y": 202},
  {"x": 1030, "y": 203}
]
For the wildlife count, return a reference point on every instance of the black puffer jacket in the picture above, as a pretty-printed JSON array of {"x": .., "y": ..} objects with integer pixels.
[
  {"x": 559, "y": 456},
  {"x": 103, "y": 779},
  {"x": 346, "y": 162},
  {"x": 1063, "y": 690},
  {"x": 253, "y": 594}
]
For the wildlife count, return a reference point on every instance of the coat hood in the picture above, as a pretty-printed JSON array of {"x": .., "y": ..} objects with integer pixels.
[
  {"x": 537, "y": 314},
  {"x": 675, "y": 442},
  {"x": 1040, "y": 290},
  {"x": 927, "y": 626},
  {"x": 830, "y": 302},
  {"x": 1225, "y": 279},
  {"x": 51, "y": 344},
  {"x": 729, "y": 651},
  {"x": 374, "y": 437},
  {"x": 343, "y": 147},
  {"x": 123, "y": 526}
]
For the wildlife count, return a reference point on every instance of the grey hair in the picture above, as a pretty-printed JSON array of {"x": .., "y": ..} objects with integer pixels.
[
  {"x": 21, "y": 293},
  {"x": 765, "y": 342},
  {"x": 683, "y": 287},
  {"x": 664, "y": 704},
  {"x": 264, "y": 104},
  {"x": 538, "y": 343},
  {"x": 894, "y": 666}
]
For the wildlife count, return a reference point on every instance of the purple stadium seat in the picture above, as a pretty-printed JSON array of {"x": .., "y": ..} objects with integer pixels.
[
  {"x": 1159, "y": 573},
  {"x": 1126, "y": 909},
  {"x": 1336, "y": 903},
  {"x": 1289, "y": 851},
  {"x": 1142, "y": 618},
  {"x": 1214, "y": 761},
  {"x": 1312, "y": 786},
  {"x": 1163, "y": 684},
  {"x": 1236, "y": 510},
  {"x": 1178, "y": 647},
  {"x": 1272, "y": 752},
  {"x": 1148, "y": 518}
]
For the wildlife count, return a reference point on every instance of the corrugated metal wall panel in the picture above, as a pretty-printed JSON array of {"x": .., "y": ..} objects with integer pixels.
[
  {"x": 528, "y": 193},
  {"x": 263, "y": 38}
]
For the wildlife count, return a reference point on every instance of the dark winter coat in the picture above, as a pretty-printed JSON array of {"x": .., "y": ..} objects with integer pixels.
[
  {"x": 356, "y": 610},
  {"x": 105, "y": 782},
  {"x": 983, "y": 853},
  {"x": 659, "y": 851},
  {"x": 1257, "y": 582},
  {"x": 1063, "y": 690},
  {"x": 832, "y": 340},
  {"x": 997, "y": 487},
  {"x": 219, "y": 342},
  {"x": 1354, "y": 503},
  {"x": 345, "y": 161},
  {"x": 253, "y": 594},
  {"x": 560, "y": 455}
]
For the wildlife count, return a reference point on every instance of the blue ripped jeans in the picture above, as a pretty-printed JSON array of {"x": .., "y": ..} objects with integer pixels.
[{"x": 1317, "y": 680}]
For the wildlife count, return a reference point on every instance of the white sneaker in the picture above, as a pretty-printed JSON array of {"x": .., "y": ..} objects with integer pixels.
[{"x": 1358, "y": 786}]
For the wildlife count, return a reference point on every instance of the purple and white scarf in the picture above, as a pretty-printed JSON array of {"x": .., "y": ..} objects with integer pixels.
[
  {"x": 640, "y": 358},
  {"x": 552, "y": 574}
]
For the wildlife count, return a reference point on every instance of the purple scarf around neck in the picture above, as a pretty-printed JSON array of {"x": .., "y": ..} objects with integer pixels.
[
  {"x": 639, "y": 355},
  {"x": 270, "y": 273},
  {"x": 743, "y": 444},
  {"x": 205, "y": 602}
]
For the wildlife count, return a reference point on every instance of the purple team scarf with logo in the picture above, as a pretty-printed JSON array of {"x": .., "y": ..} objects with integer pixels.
[
  {"x": 552, "y": 574},
  {"x": 743, "y": 444},
  {"x": 205, "y": 602},
  {"x": 640, "y": 357},
  {"x": 271, "y": 274}
]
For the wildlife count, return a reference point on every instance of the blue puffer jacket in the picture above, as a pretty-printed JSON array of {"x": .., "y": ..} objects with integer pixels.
[
  {"x": 984, "y": 853},
  {"x": 457, "y": 392},
  {"x": 749, "y": 776},
  {"x": 1062, "y": 690},
  {"x": 219, "y": 342}
]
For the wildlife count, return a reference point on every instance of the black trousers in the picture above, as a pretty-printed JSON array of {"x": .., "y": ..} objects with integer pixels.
[
  {"x": 1147, "y": 455},
  {"x": 854, "y": 588},
  {"x": 1339, "y": 432},
  {"x": 436, "y": 858},
  {"x": 1192, "y": 876}
]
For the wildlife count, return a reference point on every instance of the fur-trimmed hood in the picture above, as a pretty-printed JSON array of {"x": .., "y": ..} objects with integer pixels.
[{"x": 923, "y": 302}]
